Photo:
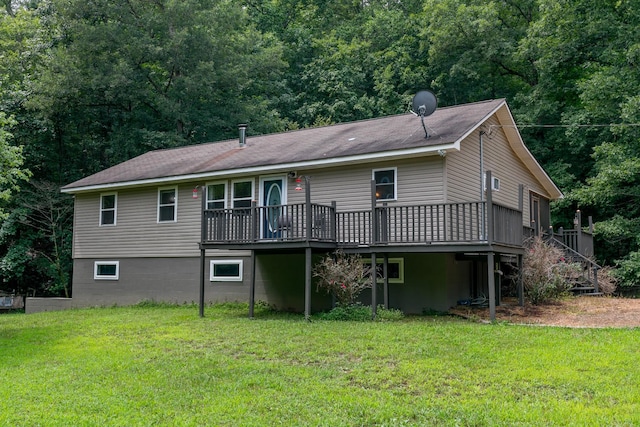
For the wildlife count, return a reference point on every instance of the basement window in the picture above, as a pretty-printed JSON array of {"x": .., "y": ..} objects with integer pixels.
[
  {"x": 228, "y": 270},
  {"x": 106, "y": 270},
  {"x": 395, "y": 269}
]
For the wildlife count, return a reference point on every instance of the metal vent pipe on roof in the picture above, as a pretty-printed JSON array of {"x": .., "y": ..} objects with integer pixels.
[{"x": 242, "y": 130}]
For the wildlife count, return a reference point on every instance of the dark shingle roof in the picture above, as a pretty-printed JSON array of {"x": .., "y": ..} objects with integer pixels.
[{"x": 366, "y": 137}]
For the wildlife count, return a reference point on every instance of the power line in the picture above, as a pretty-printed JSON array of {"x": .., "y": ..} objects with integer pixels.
[{"x": 568, "y": 126}]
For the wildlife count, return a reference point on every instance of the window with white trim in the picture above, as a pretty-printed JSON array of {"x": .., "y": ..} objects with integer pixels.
[
  {"x": 395, "y": 269},
  {"x": 217, "y": 195},
  {"x": 106, "y": 270},
  {"x": 228, "y": 270},
  {"x": 242, "y": 194},
  {"x": 495, "y": 182},
  {"x": 385, "y": 183},
  {"x": 168, "y": 204},
  {"x": 108, "y": 208}
]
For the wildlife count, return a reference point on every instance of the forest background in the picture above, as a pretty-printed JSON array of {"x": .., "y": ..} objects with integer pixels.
[{"x": 86, "y": 84}]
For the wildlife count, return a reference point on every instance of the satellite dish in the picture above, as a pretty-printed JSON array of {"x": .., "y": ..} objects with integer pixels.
[{"x": 424, "y": 103}]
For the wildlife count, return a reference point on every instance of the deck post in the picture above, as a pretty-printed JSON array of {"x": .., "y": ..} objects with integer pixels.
[
  {"x": 578, "y": 226},
  {"x": 491, "y": 283},
  {"x": 252, "y": 286},
  {"x": 307, "y": 283},
  {"x": 374, "y": 217},
  {"x": 489, "y": 210},
  {"x": 202, "y": 268},
  {"x": 334, "y": 222},
  {"x": 307, "y": 208},
  {"x": 255, "y": 234},
  {"x": 385, "y": 274},
  {"x": 520, "y": 282},
  {"x": 203, "y": 237},
  {"x": 374, "y": 282}
]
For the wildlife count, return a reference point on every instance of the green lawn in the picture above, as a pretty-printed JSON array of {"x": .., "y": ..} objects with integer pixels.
[{"x": 166, "y": 366}]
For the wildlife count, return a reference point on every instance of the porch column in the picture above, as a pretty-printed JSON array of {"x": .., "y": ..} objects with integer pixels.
[
  {"x": 374, "y": 280},
  {"x": 252, "y": 286},
  {"x": 520, "y": 283},
  {"x": 307, "y": 283},
  {"x": 202, "y": 269},
  {"x": 491, "y": 283}
]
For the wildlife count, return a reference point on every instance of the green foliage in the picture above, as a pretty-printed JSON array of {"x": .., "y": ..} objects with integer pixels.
[
  {"x": 167, "y": 366},
  {"x": 359, "y": 313},
  {"x": 628, "y": 271},
  {"x": 351, "y": 312},
  {"x": 11, "y": 164},
  {"x": 344, "y": 276}
]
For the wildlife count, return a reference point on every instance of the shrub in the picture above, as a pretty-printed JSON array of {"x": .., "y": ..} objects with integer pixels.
[
  {"x": 343, "y": 276},
  {"x": 607, "y": 283},
  {"x": 628, "y": 271},
  {"x": 360, "y": 313},
  {"x": 545, "y": 274},
  {"x": 354, "y": 312}
]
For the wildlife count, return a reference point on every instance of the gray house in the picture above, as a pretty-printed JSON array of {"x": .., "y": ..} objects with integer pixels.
[{"x": 246, "y": 219}]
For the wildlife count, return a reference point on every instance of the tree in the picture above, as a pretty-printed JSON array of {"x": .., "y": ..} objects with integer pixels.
[{"x": 11, "y": 164}]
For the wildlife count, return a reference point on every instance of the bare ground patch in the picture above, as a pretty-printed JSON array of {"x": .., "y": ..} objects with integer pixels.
[{"x": 580, "y": 311}]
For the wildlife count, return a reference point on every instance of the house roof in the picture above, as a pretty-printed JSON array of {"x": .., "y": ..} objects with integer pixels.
[{"x": 383, "y": 138}]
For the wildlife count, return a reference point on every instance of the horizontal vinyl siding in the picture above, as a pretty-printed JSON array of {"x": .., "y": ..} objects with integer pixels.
[
  {"x": 463, "y": 171},
  {"x": 419, "y": 181},
  {"x": 137, "y": 233}
]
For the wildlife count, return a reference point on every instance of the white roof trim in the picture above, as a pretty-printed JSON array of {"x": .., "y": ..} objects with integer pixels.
[{"x": 310, "y": 164}]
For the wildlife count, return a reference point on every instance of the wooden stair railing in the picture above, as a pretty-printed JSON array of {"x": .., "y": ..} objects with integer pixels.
[{"x": 587, "y": 284}]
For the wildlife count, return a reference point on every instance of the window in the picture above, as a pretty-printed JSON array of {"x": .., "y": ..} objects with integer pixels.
[
  {"x": 167, "y": 204},
  {"x": 226, "y": 270},
  {"x": 216, "y": 195},
  {"x": 395, "y": 269},
  {"x": 495, "y": 183},
  {"x": 108, "y": 207},
  {"x": 106, "y": 270},
  {"x": 385, "y": 183},
  {"x": 242, "y": 194}
]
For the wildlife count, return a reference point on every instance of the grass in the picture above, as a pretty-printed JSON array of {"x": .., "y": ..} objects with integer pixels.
[{"x": 147, "y": 365}]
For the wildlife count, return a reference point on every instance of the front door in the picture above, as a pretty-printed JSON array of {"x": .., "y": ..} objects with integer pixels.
[{"x": 272, "y": 198}]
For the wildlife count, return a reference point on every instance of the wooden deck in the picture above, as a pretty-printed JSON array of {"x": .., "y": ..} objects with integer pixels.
[{"x": 404, "y": 225}]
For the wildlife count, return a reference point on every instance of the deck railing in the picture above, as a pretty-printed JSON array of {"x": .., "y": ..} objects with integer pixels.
[
  {"x": 270, "y": 223},
  {"x": 411, "y": 224}
]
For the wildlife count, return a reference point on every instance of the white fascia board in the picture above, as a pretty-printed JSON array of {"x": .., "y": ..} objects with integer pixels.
[{"x": 310, "y": 164}]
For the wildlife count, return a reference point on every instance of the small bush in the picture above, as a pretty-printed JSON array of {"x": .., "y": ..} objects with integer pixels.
[
  {"x": 390, "y": 314},
  {"x": 343, "y": 276},
  {"x": 545, "y": 274},
  {"x": 628, "y": 272},
  {"x": 607, "y": 283},
  {"x": 354, "y": 312},
  {"x": 361, "y": 313}
]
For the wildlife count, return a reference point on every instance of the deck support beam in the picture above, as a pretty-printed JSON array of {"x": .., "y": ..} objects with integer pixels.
[
  {"x": 252, "y": 285},
  {"x": 491, "y": 283},
  {"x": 520, "y": 283},
  {"x": 374, "y": 282},
  {"x": 385, "y": 274},
  {"x": 202, "y": 269},
  {"x": 307, "y": 283}
]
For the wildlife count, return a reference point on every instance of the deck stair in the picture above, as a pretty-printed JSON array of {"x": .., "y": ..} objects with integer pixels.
[{"x": 585, "y": 282}]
